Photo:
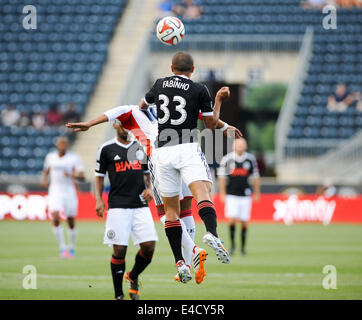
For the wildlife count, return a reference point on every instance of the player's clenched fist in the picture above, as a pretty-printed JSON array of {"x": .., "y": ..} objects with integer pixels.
[
  {"x": 223, "y": 93},
  {"x": 147, "y": 195},
  {"x": 100, "y": 208}
]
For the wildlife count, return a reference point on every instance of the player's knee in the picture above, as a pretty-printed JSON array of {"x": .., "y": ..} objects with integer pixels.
[
  {"x": 56, "y": 220},
  {"x": 201, "y": 190},
  {"x": 148, "y": 248},
  {"x": 185, "y": 204},
  {"x": 119, "y": 251},
  {"x": 71, "y": 223}
]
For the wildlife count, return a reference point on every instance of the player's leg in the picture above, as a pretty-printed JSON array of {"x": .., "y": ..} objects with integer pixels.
[
  {"x": 232, "y": 213},
  {"x": 142, "y": 260},
  {"x": 244, "y": 230},
  {"x": 173, "y": 226},
  {"x": 72, "y": 234},
  {"x": 118, "y": 267},
  {"x": 169, "y": 185},
  {"x": 59, "y": 234},
  {"x": 117, "y": 232},
  {"x": 186, "y": 241},
  {"x": 70, "y": 210},
  {"x": 201, "y": 191},
  {"x": 232, "y": 224},
  {"x": 197, "y": 254},
  {"x": 196, "y": 174},
  {"x": 189, "y": 235},
  {"x": 143, "y": 234},
  {"x": 244, "y": 217}
]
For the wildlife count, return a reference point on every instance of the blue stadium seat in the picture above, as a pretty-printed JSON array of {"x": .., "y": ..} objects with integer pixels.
[{"x": 59, "y": 63}]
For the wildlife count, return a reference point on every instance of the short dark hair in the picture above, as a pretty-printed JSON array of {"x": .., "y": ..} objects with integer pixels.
[{"x": 183, "y": 62}]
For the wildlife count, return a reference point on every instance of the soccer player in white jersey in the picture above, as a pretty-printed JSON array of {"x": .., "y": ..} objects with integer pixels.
[
  {"x": 143, "y": 125},
  {"x": 235, "y": 169},
  {"x": 63, "y": 168}
]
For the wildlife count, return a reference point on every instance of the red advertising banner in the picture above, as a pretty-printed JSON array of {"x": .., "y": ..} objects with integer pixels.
[{"x": 270, "y": 208}]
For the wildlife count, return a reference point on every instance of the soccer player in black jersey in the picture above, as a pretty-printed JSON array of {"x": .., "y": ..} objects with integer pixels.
[
  {"x": 128, "y": 212},
  {"x": 178, "y": 156},
  {"x": 235, "y": 169}
]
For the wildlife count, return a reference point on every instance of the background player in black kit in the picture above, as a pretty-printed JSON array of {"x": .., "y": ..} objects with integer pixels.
[
  {"x": 128, "y": 210},
  {"x": 235, "y": 169},
  {"x": 178, "y": 155}
]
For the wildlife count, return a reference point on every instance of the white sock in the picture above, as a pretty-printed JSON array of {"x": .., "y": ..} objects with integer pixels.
[
  {"x": 190, "y": 225},
  {"x": 187, "y": 244},
  {"x": 59, "y": 235},
  {"x": 72, "y": 234}
]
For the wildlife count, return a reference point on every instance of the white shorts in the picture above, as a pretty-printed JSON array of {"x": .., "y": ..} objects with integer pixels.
[
  {"x": 237, "y": 207},
  {"x": 137, "y": 222},
  {"x": 185, "y": 191},
  {"x": 66, "y": 204},
  {"x": 180, "y": 162}
]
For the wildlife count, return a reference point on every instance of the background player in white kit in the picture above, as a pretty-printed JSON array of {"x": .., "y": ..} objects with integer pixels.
[
  {"x": 235, "y": 169},
  {"x": 63, "y": 168}
]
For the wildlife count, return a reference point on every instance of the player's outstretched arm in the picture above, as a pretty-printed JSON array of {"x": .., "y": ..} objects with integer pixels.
[
  {"x": 109, "y": 115},
  {"x": 84, "y": 126}
]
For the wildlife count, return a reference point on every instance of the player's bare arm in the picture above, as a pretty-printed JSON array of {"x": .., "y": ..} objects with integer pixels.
[
  {"x": 84, "y": 126},
  {"x": 44, "y": 180},
  {"x": 98, "y": 191},
  {"x": 256, "y": 188},
  {"x": 222, "y": 188},
  {"x": 76, "y": 175},
  {"x": 147, "y": 193},
  {"x": 211, "y": 122},
  {"x": 229, "y": 130}
]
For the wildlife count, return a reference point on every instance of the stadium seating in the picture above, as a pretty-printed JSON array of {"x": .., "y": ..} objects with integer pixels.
[
  {"x": 59, "y": 62},
  {"x": 337, "y": 56}
]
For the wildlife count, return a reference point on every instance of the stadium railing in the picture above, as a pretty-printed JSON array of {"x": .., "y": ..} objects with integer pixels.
[
  {"x": 228, "y": 42},
  {"x": 293, "y": 93}
]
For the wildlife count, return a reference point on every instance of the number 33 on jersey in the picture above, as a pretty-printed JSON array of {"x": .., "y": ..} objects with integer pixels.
[{"x": 179, "y": 101}]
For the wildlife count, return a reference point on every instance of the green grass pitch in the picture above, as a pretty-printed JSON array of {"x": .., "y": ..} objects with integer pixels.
[{"x": 283, "y": 262}]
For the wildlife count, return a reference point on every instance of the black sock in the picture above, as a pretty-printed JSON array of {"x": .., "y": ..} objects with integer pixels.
[
  {"x": 118, "y": 266},
  {"x": 141, "y": 262},
  {"x": 173, "y": 231},
  {"x": 232, "y": 235},
  {"x": 243, "y": 238},
  {"x": 208, "y": 215}
]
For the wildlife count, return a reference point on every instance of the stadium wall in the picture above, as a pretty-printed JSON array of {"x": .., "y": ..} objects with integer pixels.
[{"x": 272, "y": 208}]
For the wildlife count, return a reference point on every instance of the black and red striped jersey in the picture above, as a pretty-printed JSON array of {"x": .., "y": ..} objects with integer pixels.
[
  {"x": 123, "y": 163},
  {"x": 238, "y": 169}
]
